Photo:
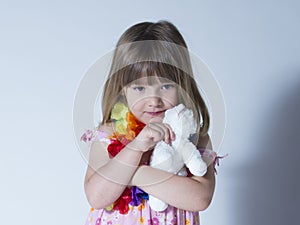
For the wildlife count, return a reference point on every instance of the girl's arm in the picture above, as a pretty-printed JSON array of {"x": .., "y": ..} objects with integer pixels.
[
  {"x": 189, "y": 193},
  {"x": 107, "y": 178}
]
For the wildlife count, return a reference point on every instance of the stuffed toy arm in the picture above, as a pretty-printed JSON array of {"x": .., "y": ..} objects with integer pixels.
[
  {"x": 162, "y": 158},
  {"x": 166, "y": 158},
  {"x": 182, "y": 151},
  {"x": 193, "y": 160},
  {"x": 157, "y": 204}
]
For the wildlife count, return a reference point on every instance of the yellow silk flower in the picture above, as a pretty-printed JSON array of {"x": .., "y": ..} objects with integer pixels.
[{"x": 119, "y": 115}]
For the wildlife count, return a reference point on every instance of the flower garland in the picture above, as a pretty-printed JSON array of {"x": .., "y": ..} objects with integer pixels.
[{"x": 127, "y": 128}]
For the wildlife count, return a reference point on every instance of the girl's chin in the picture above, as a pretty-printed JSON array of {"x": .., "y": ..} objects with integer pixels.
[{"x": 155, "y": 119}]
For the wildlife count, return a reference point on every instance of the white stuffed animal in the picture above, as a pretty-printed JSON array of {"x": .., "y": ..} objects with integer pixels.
[{"x": 172, "y": 158}]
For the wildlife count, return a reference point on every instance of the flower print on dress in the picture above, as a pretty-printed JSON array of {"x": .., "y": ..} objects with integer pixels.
[
  {"x": 141, "y": 220},
  {"x": 98, "y": 221},
  {"x": 155, "y": 221}
]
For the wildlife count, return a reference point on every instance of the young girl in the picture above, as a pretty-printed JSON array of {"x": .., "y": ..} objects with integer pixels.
[{"x": 150, "y": 73}]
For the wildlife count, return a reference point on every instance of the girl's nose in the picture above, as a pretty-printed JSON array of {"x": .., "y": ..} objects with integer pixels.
[{"x": 154, "y": 101}]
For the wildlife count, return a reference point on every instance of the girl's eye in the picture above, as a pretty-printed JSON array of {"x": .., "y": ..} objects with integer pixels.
[
  {"x": 138, "y": 88},
  {"x": 167, "y": 86}
]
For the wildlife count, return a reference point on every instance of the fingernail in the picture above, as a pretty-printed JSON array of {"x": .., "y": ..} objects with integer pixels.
[{"x": 173, "y": 136}]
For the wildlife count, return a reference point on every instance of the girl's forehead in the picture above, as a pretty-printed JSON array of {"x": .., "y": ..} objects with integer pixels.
[{"x": 151, "y": 80}]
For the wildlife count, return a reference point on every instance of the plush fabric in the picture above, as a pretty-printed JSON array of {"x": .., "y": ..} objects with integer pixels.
[{"x": 180, "y": 153}]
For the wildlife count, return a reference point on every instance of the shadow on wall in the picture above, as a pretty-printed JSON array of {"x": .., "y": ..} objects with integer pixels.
[{"x": 270, "y": 194}]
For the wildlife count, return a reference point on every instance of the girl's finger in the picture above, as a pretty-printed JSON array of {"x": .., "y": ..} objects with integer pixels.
[
  {"x": 165, "y": 131},
  {"x": 172, "y": 134},
  {"x": 155, "y": 132}
]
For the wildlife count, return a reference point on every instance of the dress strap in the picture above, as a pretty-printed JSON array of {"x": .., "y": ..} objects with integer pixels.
[
  {"x": 90, "y": 136},
  {"x": 213, "y": 156}
]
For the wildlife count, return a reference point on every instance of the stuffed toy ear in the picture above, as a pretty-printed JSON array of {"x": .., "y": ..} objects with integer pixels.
[
  {"x": 179, "y": 108},
  {"x": 175, "y": 110}
]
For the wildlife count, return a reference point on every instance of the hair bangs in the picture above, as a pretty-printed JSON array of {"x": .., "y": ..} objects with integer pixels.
[{"x": 164, "y": 72}]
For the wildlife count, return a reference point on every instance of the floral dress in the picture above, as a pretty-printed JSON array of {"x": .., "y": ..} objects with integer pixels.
[{"x": 142, "y": 214}]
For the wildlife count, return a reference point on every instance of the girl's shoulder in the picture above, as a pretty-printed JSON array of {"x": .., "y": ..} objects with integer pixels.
[{"x": 107, "y": 128}]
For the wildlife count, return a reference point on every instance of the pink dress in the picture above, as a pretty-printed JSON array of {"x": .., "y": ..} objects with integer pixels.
[{"x": 141, "y": 214}]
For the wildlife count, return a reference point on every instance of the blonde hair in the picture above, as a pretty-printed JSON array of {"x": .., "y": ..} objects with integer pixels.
[{"x": 153, "y": 49}]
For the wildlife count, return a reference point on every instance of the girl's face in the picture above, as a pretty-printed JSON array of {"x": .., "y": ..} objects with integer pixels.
[{"x": 148, "y": 101}]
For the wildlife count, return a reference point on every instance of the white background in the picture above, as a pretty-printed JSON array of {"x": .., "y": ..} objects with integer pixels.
[{"x": 251, "y": 46}]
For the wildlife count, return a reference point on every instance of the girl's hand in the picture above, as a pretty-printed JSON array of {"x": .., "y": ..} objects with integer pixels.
[{"x": 151, "y": 134}]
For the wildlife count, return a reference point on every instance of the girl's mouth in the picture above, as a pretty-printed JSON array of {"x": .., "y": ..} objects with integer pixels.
[{"x": 155, "y": 113}]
